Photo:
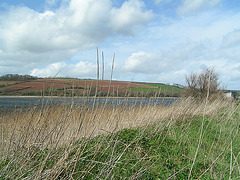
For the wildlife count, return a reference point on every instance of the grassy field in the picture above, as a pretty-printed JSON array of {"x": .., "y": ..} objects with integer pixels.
[
  {"x": 186, "y": 140},
  {"x": 3, "y": 84},
  {"x": 163, "y": 87},
  {"x": 70, "y": 87},
  {"x": 156, "y": 88},
  {"x": 161, "y": 90}
]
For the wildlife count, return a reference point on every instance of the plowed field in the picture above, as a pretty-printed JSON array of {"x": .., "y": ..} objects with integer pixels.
[{"x": 45, "y": 84}]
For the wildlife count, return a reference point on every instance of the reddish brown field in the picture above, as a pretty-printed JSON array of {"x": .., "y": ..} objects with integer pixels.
[{"x": 44, "y": 84}]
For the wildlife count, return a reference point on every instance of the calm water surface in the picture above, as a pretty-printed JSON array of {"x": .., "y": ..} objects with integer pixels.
[{"x": 12, "y": 103}]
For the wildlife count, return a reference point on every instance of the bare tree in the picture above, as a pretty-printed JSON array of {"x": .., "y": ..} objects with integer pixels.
[{"x": 198, "y": 85}]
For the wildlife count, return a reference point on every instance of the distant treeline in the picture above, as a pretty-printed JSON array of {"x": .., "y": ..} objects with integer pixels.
[{"x": 17, "y": 77}]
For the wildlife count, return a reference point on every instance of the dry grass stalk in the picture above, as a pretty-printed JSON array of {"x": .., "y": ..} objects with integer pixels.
[{"x": 62, "y": 125}]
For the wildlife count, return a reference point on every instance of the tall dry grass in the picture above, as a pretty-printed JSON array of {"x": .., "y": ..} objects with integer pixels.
[
  {"x": 57, "y": 128},
  {"x": 51, "y": 126}
]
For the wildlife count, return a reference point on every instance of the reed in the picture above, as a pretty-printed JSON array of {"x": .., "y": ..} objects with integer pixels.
[{"x": 121, "y": 141}]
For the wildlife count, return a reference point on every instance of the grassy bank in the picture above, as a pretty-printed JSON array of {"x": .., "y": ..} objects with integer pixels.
[{"x": 187, "y": 140}]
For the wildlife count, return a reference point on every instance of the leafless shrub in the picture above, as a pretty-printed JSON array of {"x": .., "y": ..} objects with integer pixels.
[{"x": 198, "y": 85}]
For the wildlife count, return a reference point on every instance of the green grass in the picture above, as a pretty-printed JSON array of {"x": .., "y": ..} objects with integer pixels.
[
  {"x": 149, "y": 152},
  {"x": 156, "y": 88},
  {"x": 3, "y": 84},
  {"x": 6, "y": 83},
  {"x": 164, "y": 87}
]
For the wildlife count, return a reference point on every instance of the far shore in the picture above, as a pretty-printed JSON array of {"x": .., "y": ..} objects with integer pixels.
[{"x": 86, "y": 97}]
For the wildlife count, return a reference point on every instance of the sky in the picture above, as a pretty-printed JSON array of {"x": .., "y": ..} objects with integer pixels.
[{"x": 159, "y": 41}]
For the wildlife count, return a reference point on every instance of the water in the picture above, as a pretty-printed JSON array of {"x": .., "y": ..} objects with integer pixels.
[{"x": 13, "y": 103}]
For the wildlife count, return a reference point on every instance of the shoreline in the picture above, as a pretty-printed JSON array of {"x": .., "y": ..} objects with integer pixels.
[{"x": 88, "y": 97}]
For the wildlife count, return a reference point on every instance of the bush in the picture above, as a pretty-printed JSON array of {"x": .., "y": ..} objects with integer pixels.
[{"x": 203, "y": 85}]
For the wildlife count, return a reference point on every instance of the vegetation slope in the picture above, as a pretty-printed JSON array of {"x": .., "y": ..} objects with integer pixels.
[
  {"x": 188, "y": 140},
  {"x": 19, "y": 85}
]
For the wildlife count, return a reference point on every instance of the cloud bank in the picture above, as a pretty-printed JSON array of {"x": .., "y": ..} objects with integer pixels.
[
  {"x": 80, "y": 69},
  {"x": 53, "y": 36}
]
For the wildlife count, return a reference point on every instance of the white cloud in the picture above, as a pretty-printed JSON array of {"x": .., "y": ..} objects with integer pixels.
[
  {"x": 79, "y": 25},
  {"x": 26, "y": 30},
  {"x": 165, "y": 61},
  {"x": 173, "y": 77},
  {"x": 61, "y": 69},
  {"x": 130, "y": 17},
  {"x": 142, "y": 62},
  {"x": 38, "y": 39},
  {"x": 191, "y": 6},
  {"x": 51, "y": 70},
  {"x": 229, "y": 74},
  {"x": 232, "y": 39}
]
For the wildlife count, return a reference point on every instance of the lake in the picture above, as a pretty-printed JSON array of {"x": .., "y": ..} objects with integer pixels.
[{"x": 12, "y": 103}]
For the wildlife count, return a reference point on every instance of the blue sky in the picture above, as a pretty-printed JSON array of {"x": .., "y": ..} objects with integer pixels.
[{"x": 154, "y": 40}]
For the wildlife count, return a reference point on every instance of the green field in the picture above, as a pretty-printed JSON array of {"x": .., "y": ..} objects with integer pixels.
[
  {"x": 161, "y": 90},
  {"x": 3, "y": 84},
  {"x": 156, "y": 88}
]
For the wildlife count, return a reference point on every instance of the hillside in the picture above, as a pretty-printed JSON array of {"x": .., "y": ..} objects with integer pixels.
[{"x": 85, "y": 87}]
